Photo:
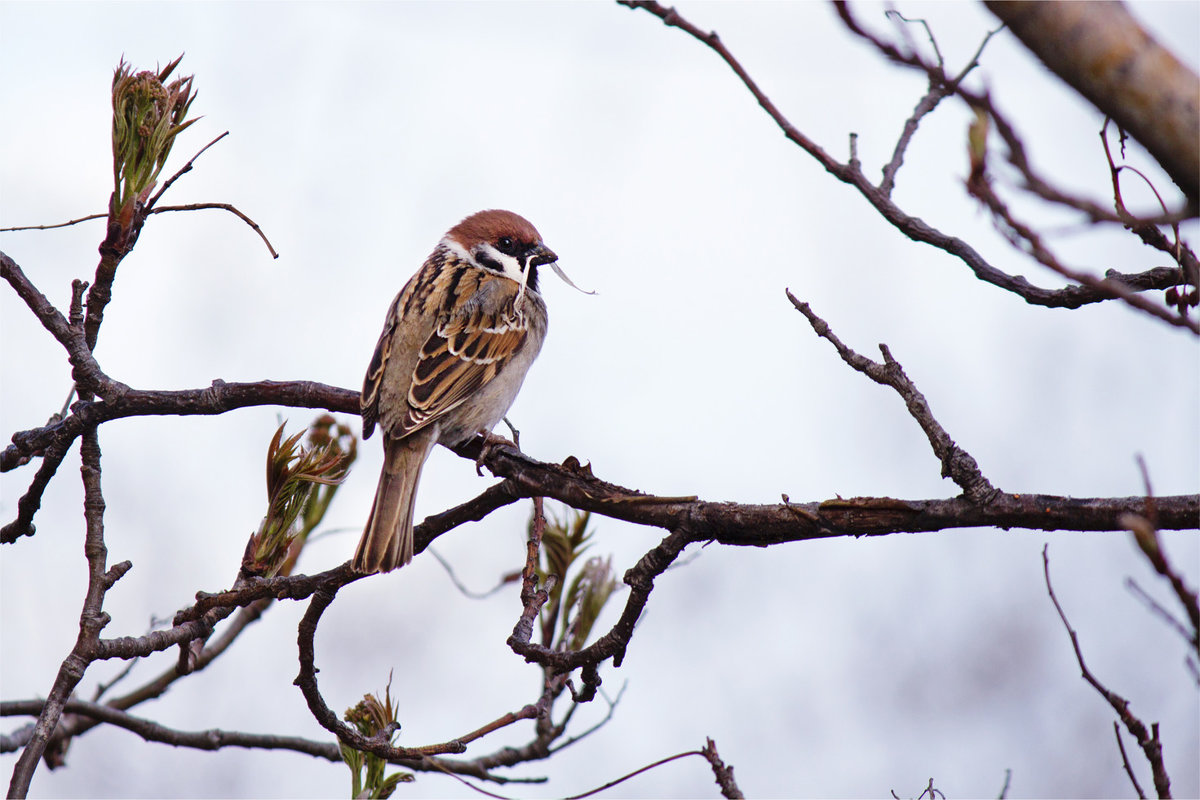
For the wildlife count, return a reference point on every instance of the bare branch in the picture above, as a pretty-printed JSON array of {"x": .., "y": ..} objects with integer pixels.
[
  {"x": 66, "y": 224},
  {"x": 216, "y": 399},
  {"x": 325, "y": 717},
  {"x": 224, "y": 207},
  {"x": 637, "y": 772},
  {"x": 723, "y": 773},
  {"x": 1024, "y": 237},
  {"x": 1137, "y": 787},
  {"x": 728, "y": 523},
  {"x": 212, "y": 739},
  {"x": 1144, "y": 528},
  {"x": 939, "y": 89},
  {"x": 1149, "y": 742},
  {"x": 1150, "y": 234},
  {"x": 851, "y": 173},
  {"x": 1102, "y": 51},
  {"x": 31, "y": 501},
  {"x": 92, "y": 619},
  {"x": 186, "y": 168},
  {"x": 1158, "y": 610},
  {"x": 957, "y": 464},
  {"x": 465, "y": 590},
  {"x": 85, "y": 370}
]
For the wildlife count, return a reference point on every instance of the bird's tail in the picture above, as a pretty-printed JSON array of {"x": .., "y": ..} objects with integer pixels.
[{"x": 387, "y": 540}]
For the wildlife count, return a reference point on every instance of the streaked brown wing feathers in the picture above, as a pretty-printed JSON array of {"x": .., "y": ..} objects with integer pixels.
[
  {"x": 368, "y": 401},
  {"x": 458, "y": 358}
]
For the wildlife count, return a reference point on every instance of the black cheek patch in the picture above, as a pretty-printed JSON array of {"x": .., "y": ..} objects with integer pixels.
[{"x": 485, "y": 260}]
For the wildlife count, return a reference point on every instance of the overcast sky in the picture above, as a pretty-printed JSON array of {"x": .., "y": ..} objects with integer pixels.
[{"x": 358, "y": 134}]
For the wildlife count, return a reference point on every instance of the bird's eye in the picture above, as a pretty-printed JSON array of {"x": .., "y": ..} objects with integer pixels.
[{"x": 505, "y": 245}]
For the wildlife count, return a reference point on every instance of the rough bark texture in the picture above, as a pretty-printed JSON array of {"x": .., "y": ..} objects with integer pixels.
[{"x": 1102, "y": 51}]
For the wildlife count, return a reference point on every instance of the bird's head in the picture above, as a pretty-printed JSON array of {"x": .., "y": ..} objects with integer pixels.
[{"x": 503, "y": 242}]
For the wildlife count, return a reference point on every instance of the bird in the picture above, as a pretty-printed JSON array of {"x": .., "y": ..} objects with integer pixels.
[{"x": 456, "y": 345}]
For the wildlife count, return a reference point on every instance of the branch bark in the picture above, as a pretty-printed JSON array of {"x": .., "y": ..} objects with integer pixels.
[
  {"x": 913, "y": 227},
  {"x": 1101, "y": 50}
]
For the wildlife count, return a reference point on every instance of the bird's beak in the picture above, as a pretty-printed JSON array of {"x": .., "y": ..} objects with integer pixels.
[
  {"x": 538, "y": 256},
  {"x": 542, "y": 255}
]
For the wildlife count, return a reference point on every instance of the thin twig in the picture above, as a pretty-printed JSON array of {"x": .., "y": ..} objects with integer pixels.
[
  {"x": 939, "y": 89},
  {"x": 182, "y": 170},
  {"x": 1148, "y": 740},
  {"x": 1007, "y": 783},
  {"x": 721, "y": 771},
  {"x": 224, "y": 207},
  {"x": 1157, "y": 609},
  {"x": 325, "y": 717},
  {"x": 635, "y": 773},
  {"x": 84, "y": 368},
  {"x": 1150, "y": 234},
  {"x": 1137, "y": 787},
  {"x": 1023, "y": 236},
  {"x": 66, "y": 224},
  {"x": 150, "y": 731},
  {"x": 462, "y": 587},
  {"x": 31, "y": 501},
  {"x": 957, "y": 464},
  {"x": 1144, "y": 528},
  {"x": 913, "y": 227}
]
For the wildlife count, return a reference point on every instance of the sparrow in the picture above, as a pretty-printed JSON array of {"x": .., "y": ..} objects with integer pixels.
[{"x": 456, "y": 344}]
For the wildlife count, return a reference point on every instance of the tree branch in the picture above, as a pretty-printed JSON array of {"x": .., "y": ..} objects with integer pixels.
[
  {"x": 957, "y": 464},
  {"x": 211, "y": 739},
  {"x": 913, "y": 227},
  {"x": 85, "y": 370},
  {"x": 216, "y": 399},
  {"x": 1102, "y": 51},
  {"x": 92, "y": 619},
  {"x": 31, "y": 501},
  {"x": 223, "y": 207},
  {"x": 939, "y": 89},
  {"x": 1149, "y": 742}
]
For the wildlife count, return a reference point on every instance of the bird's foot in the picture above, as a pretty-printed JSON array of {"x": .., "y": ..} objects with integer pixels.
[{"x": 490, "y": 440}]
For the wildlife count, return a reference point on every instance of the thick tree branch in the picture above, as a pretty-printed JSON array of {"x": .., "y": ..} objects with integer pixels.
[
  {"x": 92, "y": 619},
  {"x": 1102, "y": 51},
  {"x": 745, "y": 524},
  {"x": 85, "y": 370},
  {"x": 1145, "y": 228},
  {"x": 216, "y": 399},
  {"x": 324, "y": 715}
]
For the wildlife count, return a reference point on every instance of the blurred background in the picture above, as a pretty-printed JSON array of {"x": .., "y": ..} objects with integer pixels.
[{"x": 360, "y": 132}]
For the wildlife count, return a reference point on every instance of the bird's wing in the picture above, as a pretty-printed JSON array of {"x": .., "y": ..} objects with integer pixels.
[
  {"x": 368, "y": 401},
  {"x": 463, "y": 354}
]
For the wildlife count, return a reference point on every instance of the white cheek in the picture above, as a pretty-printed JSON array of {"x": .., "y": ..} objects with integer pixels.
[
  {"x": 457, "y": 249},
  {"x": 509, "y": 265}
]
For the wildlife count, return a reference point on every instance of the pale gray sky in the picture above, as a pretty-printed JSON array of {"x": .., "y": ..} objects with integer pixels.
[{"x": 359, "y": 132}]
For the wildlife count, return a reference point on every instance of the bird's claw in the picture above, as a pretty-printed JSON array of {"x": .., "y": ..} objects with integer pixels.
[{"x": 490, "y": 441}]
